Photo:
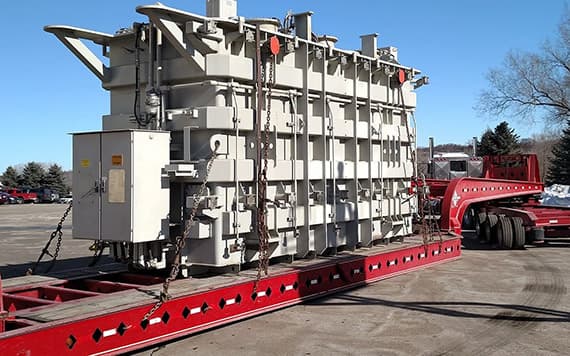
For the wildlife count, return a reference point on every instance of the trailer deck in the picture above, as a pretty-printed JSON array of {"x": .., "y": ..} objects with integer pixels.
[{"x": 102, "y": 313}]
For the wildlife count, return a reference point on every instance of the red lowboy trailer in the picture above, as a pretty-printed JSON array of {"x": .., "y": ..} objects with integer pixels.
[
  {"x": 502, "y": 206},
  {"x": 102, "y": 313}
]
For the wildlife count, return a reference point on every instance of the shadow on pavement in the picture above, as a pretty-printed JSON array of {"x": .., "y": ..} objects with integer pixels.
[
  {"x": 470, "y": 242},
  {"x": 19, "y": 270},
  {"x": 509, "y": 312}
]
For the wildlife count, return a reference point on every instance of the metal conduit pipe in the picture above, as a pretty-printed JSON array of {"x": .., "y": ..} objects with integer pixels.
[
  {"x": 381, "y": 112},
  {"x": 389, "y": 111},
  {"x": 337, "y": 99},
  {"x": 294, "y": 154},
  {"x": 415, "y": 147},
  {"x": 150, "y": 71},
  {"x": 236, "y": 224},
  {"x": 332, "y": 149},
  {"x": 158, "y": 68},
  {"x": 368, "y": 104},
  {"x": 283, "y": 93}
]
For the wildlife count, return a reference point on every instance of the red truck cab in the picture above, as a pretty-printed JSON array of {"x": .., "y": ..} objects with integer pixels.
[{"x": 25, "y": 195}]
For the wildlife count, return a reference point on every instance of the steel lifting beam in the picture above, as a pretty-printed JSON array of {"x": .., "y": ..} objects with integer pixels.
[
  {"x": 463, "y": 192},
  {"x": 115, "y": 330},
  {"x": 71, "y": 37}
]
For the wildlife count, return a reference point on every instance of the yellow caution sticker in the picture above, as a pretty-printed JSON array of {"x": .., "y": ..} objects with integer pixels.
[
  {"x": 117, "y": 160},
  {"x": 85, "y": 163}
]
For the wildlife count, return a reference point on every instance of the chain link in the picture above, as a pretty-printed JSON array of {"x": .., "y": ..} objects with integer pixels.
[
  {"x": 98, "y": 247},
  {"x": 429, "y": 227},
  {"x": 181, "y": 240},
  {"x": 262, "y": 230},
  {"x": 56, "y": 233}
]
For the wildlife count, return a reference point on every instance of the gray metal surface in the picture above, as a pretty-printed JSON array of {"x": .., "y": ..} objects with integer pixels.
[
  {"x": 341, "y": 135},
  {"x": 455, "y": 165}
]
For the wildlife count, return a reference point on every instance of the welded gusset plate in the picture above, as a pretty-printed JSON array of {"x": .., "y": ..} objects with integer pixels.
[{"x": 123, "y": 330}]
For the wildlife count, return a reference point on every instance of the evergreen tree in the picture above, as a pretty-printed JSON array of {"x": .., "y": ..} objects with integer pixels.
[
  {"x": 501, "y": 141},
  {"x": 10, "y": 177},
  {"x": 505, "y": 139},
  {"x": 55, "y": 179},
  {"x": 559, "y": 170},
  {"x": 33, "y": 175},
  {"x": 486, "y": 145}
]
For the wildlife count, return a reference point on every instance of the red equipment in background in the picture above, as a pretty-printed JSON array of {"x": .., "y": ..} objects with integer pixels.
[
  {"x": 463, "y": 193},
  {"x": 512, "y": 167},
  {"x": 509, "y": 188}
]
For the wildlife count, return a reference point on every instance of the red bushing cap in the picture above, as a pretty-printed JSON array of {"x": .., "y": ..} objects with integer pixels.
[{"x": 274, "y": 45}]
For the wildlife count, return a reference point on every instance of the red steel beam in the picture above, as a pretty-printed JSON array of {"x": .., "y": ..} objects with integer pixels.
[
  {"x": 550, "y": 216},
  {"x": 137, "y": 279},
  {"x": 437, "y": 187},
  {"x": 57, "y": 294},
  {"x": 18, "y": 302},
  {"x": 113, "y": 331},
  {"x": 98, "y": 286},
  {"x": 538, "y": 216}
]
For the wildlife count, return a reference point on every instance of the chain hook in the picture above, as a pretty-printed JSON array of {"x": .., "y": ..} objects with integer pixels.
[{"x": 45, "y": 251}]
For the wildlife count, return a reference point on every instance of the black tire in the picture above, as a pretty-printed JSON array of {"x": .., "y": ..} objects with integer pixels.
[
  {"x": 480, "y": 219},
  {"x": 489, "y": 228},
  {"x": 518, "y": 233},
  {"x": 468, "y": 221},
  {"x": 504, "y": 232},
  {"x": 498, "y": 235},
  {"x": 535, "y": 235}
]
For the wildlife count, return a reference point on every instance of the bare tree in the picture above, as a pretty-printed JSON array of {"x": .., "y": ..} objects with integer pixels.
[
  {"x": 542, "y": 144},
  {"x": 530, "y": 83}
]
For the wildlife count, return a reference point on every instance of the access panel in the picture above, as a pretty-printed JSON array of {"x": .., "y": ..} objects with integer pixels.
[{"x": 118, "y": 185}]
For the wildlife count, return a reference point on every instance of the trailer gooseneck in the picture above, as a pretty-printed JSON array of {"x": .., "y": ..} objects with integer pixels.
[{"x": 501, "y": 205}]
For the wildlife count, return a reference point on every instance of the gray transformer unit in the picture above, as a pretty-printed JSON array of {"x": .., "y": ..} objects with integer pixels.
[{"x": 184, "y": 87}]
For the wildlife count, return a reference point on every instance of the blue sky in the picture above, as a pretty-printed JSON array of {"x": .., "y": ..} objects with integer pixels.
[{"x": 47, "y": 93}]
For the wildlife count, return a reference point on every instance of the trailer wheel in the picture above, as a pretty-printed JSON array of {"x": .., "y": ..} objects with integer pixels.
[
  {"x": 488, "y": 227},
  {"x": 504, "y": 232},
  {"x": 469, "y": 219},
  {"x": 480, "y": 219},
  {"x": 518, "y": 232}
]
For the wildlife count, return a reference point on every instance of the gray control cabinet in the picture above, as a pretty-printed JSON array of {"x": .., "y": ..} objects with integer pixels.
[{"x": 118, "y": 188}]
